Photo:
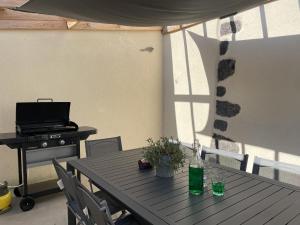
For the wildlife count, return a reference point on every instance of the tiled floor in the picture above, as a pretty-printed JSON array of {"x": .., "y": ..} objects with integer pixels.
[{"x": 50, "y": 210}]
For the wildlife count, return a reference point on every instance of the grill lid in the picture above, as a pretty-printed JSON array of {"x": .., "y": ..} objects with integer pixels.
[{"x": 38, "y": 113}]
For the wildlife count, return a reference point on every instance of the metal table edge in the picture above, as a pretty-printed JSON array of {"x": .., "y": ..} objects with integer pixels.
[{"x": 106, "y": 186}]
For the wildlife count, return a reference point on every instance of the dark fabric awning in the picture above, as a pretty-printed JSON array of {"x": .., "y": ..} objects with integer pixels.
[{"x": 140, "y": 12}]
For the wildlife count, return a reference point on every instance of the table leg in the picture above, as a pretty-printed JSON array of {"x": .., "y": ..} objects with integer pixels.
[{"x": 70, "y": 168}]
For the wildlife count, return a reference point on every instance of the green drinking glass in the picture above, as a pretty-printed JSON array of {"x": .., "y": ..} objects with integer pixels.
[{"x": 218, "y": 184}]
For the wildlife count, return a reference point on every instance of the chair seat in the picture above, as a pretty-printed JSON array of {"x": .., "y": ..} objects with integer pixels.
[
  {"x": 113, "y": 205},
  {"x": 127, "y": 220}
]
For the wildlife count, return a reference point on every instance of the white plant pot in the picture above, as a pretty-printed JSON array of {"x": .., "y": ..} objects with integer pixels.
[{"x": 164, "y": 169}]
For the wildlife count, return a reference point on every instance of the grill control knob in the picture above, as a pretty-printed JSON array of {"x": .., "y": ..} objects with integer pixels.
[
  {"x": 44, "y": 144},
  {"x": 62, "y": 142}
]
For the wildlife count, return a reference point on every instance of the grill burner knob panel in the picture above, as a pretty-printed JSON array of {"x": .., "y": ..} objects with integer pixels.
[
  {"x": 62, "y": 142},
  {"x": 44, "y": 144}
]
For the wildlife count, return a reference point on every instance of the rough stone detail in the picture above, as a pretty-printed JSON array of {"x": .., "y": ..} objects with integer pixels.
[
  {"x": 223, "y": 47},
  {"x": 231, "y": 27},
  {"x": 227, "y": 109},
  {"x": 221, "y": 137},
  {"x": 220, "y": 125},
  {"x": 226, "y": 68},
  {"x": 221, "y": 91}
]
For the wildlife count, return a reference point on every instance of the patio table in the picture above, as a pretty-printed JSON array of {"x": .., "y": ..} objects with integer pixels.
[{"x": 248, "y": 199}]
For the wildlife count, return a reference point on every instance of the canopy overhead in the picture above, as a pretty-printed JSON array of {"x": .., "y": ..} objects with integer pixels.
[{"x": 140, "y": 12}]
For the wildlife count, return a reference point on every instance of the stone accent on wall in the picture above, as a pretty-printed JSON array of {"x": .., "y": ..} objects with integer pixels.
[
  {"x": 220, "y": 125},
  {"x": 223, "y": 47},
  {"x": 231, "y": 27},
  {"x": 221, "y": 91},
  {"x": 226, "y": 68},
  {"x": 227, "y": 109}
]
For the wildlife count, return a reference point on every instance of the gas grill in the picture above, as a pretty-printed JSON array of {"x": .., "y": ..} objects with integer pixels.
[
  {"x": 43, "y": 132},
  {"x": 43, "y": 117}
]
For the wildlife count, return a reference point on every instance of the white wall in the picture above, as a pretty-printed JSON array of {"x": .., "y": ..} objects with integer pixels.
[
  {"x": 112, "y": 84},
  {"x": 190, "y": 64},
  {"x": 265, "y": 84}
]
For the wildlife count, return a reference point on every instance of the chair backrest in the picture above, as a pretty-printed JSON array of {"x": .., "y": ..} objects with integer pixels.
[
  {"x": 69, "y": 188},
  {"x": 226, "y": 158},
  {"x": 284, "y": 172},
  {"x": 66, "y": 178},
  {"x": 95, "y": 209},
  {"x": 100, "y": 147}
]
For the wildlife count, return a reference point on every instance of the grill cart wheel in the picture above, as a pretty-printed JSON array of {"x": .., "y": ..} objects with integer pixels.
[{"x": 27, "y": 203}]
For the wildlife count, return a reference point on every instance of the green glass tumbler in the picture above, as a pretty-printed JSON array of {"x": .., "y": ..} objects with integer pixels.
[{"x": 218, "y": 184}]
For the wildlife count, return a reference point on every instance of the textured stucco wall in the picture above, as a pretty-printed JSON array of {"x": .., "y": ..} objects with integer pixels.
[
  {"x": 257, "y": 104},
  {"x": 112, "y": 84},
  {"x": 190, "y": 64},
  {"x": 265, "y": 83}
]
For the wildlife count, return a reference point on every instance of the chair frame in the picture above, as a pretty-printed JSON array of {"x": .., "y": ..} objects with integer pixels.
[
  {"x": 88, "y": 154},
  {"x": 88, "y": 142},
  {"x": 98, "y": 203},
  {"x": 277, "y": 166},
  {"x": 63, "y": 174},
  {"x": 243, "y": 159}
]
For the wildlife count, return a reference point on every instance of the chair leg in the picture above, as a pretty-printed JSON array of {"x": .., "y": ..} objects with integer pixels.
[
  {"x": 255, "y": 169},
  {"x": 123, "y": 212},
  {"x": 122, "y": 216}
]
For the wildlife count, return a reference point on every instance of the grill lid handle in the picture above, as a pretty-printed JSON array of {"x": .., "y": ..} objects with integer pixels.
[{"x": 44, "y": 100}]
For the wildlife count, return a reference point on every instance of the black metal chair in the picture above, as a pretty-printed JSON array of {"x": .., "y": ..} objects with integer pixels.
[
  {"x": 98, "y": 148},
  {"x": 284, "y": 172},
  {"x": 66, "y": 183},
  {"x": 97, "y": 212},
  {"x": 69, "y": 189},
  {"x": 226, "y": 158}
]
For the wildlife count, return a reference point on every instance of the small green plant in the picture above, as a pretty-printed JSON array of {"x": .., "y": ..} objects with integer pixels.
[{"x": 165, "y": 147}]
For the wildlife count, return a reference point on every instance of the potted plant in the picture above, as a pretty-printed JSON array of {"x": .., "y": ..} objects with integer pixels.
[{"x": 165, "y": 155}]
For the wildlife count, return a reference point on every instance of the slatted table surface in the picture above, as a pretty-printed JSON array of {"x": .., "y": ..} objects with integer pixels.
[{"x": 248, "y": 199}]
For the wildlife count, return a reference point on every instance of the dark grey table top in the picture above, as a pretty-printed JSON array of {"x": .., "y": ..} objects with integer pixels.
[{"x": 248, "y": 199}]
